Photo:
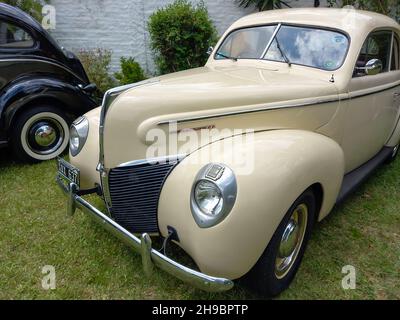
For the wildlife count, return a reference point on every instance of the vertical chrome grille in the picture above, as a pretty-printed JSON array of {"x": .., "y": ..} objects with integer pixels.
[{"x": 135, "y": 191}]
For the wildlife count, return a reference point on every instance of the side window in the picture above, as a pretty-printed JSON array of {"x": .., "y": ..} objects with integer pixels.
[
  {"x": 377, "y": 46},
  {"x": 395, "y": 55},
  {"x": 13, "y": 37}
]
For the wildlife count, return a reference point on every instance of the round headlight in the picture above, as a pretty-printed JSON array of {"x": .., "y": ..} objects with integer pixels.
[
  {"x": 213, "y": 195},
  {"x": 74, "y": 139},
  {"x": 78, "y": 134},
  {"x": 208, "y": 197}
]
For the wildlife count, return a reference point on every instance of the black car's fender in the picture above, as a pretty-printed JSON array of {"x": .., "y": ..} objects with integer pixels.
[{"x": 30, "y": 91}]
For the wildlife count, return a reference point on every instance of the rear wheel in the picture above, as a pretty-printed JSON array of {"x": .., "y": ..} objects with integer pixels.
[
  {"x": 39, "y": 134},
  {"x": 280, "y": 262}
]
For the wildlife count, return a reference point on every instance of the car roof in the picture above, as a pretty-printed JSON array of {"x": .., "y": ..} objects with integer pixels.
[{"x": 350, "y": 20}]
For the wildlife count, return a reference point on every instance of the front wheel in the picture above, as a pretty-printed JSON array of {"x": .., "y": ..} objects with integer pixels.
[
  {"x": 279, "y": 263},
  {"x": 39, "y": 134}
]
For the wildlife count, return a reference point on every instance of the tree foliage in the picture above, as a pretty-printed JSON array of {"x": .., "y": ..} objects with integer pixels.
[
  {"x": 263, "y": 5},
  {"x": 131, "y": 72},
  {"x": 387, "y": 7},
  {"x": 32, "y": 7},
  {"x": 180, "y": 36},
  {"x": 96, "y": 63}
]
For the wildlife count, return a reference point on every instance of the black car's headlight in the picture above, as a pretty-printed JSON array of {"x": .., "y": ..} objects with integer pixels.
[
  {"x": 213, "y": 195},
  {"x": 78, "y": 134}
]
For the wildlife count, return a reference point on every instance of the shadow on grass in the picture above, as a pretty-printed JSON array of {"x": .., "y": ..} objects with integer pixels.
[{"x": 7, "y": 158}]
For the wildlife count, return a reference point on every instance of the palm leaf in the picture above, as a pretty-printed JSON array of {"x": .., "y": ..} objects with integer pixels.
[{"x": 263, "y": 5}]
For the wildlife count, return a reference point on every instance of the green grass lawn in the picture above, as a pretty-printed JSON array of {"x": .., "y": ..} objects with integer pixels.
[{"x": 90, "y": 264}]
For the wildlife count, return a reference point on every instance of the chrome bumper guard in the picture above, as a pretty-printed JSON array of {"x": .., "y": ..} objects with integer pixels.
[{"x": 150, "y": 257}]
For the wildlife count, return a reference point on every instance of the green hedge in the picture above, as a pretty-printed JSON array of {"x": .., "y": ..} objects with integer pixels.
[
  {"x": 131, "y": 72},
  {"x": 97, "y": 65},
  {"x": 180, "y": 36}
]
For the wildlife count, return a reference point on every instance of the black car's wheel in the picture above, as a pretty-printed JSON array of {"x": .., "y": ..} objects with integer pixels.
[
  {"x": 279, "y": 263},
  {"x": 39, "y": 134}
]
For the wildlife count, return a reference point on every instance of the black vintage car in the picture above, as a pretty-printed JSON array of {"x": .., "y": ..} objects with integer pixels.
[{"x": 43, "y": 88}]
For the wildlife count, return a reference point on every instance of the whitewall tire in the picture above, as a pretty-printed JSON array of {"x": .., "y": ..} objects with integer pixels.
[{"x": 40, "y": 134}]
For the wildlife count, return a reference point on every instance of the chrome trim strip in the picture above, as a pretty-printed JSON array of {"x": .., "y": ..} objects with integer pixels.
[
  {"x": 105, "y": 186},
  {"x": 262, "y": 109},
  {"x": 108, "y": 99},
  {"x": 234, "y": 113},
  {"x": 278, "y": 27},
  {"x": 391, "y": 52},
  {"x": 143, "y": 247},
  {"x": 178, "y": 157},
  {"x": 374, "y": 92}
]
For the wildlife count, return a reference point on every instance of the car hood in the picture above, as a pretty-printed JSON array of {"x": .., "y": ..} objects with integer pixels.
[
  {"x": 200, "y": 96},
  {"x": 219, "y": 87}
]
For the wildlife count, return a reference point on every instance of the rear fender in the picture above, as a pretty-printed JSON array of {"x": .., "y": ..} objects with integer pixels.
[{"x": 26, "y": 92}]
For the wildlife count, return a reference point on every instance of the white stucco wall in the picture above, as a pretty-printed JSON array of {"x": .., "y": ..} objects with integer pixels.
[{"x": 122, "y": 25}]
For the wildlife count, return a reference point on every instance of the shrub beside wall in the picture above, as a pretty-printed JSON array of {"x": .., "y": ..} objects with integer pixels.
[
  {"x": 180, "y": 36},
  {"x": 97, "y": 65},
  {"x": 131, "y": 72}
]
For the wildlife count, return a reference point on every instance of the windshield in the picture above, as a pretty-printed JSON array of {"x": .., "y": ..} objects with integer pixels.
[{"x": 318, "y": 48}]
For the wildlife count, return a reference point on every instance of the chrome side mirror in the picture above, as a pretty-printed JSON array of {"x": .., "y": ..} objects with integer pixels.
[
  {"x": 210, "y": 50},
  {"x": 373, "y": 67}
]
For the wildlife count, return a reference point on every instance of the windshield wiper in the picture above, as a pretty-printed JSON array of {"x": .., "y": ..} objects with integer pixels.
[
  {"x": 285, "y": 57},
  {"x": 226, "y": 57}
]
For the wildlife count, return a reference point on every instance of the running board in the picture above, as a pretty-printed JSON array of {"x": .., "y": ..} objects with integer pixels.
[{"x": 355, "y": 178}]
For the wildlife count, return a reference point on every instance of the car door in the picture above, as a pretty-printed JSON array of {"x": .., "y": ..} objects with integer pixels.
[
  {"x": 13, "y": 41},
  {"x": 372, "y": 111}
]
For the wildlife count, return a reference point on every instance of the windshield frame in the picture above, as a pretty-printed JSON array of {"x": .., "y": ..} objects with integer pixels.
[{"x": 279, "y": 25}]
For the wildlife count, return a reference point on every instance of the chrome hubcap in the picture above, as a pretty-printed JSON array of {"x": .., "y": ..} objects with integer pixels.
[
  {"x": 291, "y": 241},
  {"x": 45, "y": 135}
]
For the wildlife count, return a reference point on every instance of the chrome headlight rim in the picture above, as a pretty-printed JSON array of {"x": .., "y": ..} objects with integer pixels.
[
  {"x": 225, "y": 181},
  {"x": 79, "y": 132}
]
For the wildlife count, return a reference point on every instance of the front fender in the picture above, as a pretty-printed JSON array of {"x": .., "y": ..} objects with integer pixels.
[
  {"x": 88, "y": 159},
  {"x": 29, "y": 89},
  {"x": 286, "y": 163}
]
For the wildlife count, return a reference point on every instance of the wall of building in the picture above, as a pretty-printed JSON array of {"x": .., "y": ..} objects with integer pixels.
[{"x": 121, "y": 26}]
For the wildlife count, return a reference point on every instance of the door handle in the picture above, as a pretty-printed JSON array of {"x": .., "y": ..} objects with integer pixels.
[{"x": 397, "y": 94}]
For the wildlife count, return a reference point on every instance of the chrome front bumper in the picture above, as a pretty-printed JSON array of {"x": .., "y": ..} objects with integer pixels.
[{"x": 150, "y": 257}]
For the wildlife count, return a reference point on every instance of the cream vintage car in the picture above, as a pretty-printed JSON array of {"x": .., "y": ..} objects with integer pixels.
[{"x": 309, "y": 96}]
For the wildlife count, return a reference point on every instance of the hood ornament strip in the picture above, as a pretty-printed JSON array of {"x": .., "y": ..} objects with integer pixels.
[{"x": 108, "y": 99}]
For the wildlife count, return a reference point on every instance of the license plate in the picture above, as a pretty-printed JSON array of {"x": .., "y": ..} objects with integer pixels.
[{"x": 68, "y": 172}]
